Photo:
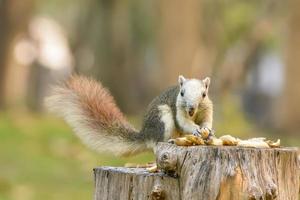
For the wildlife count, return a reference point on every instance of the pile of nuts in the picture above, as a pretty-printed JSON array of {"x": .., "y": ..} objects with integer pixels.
[{"x": 225, "y": 140}]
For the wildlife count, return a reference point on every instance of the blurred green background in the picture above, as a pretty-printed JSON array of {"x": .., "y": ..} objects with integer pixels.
[{"x": 250, "y": 49}]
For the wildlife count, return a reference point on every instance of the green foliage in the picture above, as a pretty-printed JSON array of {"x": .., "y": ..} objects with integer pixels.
[
  {"x": 237, "y": 20},
  {"x": 230, "y": 120}
]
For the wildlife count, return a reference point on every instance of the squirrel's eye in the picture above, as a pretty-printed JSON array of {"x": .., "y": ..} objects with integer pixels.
[
  {"x": 182, "y": 93},
  {"x": 204, "y": 95}
]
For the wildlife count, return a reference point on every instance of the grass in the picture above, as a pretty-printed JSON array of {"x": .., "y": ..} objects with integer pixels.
[{"x": 40, "y": 158}]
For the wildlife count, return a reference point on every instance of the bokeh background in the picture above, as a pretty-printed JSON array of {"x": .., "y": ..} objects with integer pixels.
[{"x": 250, "y": 49}]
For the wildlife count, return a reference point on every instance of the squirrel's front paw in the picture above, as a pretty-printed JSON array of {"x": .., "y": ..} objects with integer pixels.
[
  {"x": 197, "y": 132},
  {"x": 206, "y": 132}
]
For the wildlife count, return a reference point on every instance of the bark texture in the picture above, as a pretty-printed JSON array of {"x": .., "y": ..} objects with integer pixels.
[
  {"x": 207, "y": 172},
  {"x": 114, "y": 183}
]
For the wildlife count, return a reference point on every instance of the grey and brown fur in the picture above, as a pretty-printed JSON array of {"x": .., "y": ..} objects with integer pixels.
[{"x": 91, "y": 111}]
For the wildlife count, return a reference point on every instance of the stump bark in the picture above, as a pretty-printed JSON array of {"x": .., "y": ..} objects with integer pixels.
[
  {"x": 114, "y": 183},
  {"x": 208, "y": 173}
]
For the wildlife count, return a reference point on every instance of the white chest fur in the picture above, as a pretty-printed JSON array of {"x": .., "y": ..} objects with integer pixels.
[
  {"x": 166, "y": 117},
  {"x": 185, "y": 123}
]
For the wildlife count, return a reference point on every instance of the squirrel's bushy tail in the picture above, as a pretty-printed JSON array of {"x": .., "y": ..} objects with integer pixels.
[{"x": 91, "y": 111}]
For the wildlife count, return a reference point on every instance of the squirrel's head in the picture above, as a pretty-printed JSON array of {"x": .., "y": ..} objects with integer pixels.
[{"x": 192, "y": 92}]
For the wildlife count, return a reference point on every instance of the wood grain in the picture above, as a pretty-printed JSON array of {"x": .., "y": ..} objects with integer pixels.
[
  {"x": 206, "y": 172},
  {"x": 116, "y": 183}
]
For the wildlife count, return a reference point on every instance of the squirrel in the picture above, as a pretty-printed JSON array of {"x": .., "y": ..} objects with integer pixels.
[{"x": 91, "y": 111}]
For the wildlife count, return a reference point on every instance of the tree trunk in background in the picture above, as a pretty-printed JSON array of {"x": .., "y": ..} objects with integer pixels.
[
  {"x": 4, "y": 30},
  {"x": 290, "y": 119},
  {"x": 14, "y": 16},
  {"x": 116, "y": 56},
  {"x": 123, "y": 70},
  {"x": 179, "y": 37}
]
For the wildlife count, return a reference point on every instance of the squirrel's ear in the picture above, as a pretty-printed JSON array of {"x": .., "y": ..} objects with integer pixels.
[
  {"x": 181, "y": 80},
  {"x": 206, "y": 82}
]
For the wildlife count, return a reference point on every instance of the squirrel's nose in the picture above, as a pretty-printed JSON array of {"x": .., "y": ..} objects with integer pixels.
[{"x": 191, "y": 111}]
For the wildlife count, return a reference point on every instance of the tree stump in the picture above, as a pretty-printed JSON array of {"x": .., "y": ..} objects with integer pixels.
[
  {"x": 114, "y": 183},
  {"x": 208, "y": 173}
]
